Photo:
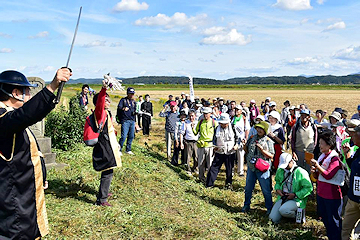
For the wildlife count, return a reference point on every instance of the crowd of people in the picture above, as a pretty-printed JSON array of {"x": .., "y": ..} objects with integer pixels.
[{"x": 298, "y": 148}]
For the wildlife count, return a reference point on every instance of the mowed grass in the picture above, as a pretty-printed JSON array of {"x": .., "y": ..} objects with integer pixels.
[{"x": 154, "y": 200}]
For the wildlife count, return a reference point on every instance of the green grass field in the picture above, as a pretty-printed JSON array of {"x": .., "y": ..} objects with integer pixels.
[{"x": 154, "y": 200}]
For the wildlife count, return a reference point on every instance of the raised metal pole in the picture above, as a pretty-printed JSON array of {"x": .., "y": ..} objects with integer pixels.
[{"x": 61, "y": 86}]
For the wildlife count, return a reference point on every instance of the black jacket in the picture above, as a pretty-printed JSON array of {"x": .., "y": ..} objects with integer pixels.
[{"x": 18, "y": 212}]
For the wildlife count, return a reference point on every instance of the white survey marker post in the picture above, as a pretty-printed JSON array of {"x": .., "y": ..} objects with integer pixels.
[{"x": 191, "y": 87}]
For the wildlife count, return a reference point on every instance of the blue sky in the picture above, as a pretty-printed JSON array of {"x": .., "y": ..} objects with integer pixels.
[{"x": 204, "y": 38}]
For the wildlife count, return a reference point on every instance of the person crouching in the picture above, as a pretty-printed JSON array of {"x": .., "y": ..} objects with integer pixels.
[
  {"x": 225, "y": 148},
  {"x": 293, "y": 187}
]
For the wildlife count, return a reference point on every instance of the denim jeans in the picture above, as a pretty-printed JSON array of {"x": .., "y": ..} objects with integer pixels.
[
  {"x": 127, "y": 131},
  {"x": 265, "y": 184}
]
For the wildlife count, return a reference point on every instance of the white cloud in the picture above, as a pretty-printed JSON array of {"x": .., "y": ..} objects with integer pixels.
[
  {"x": 305, "y": 60},
  {"x": 4, "y": 35},
  {"x": 214, "y": 31},
  {"x": 177, "y": 20},
  {"x": 49, "y": 69},
  {"x": 328, "y": 20},
  {"x": 6, "y": 50},
  {"x": 116, "y": 44},
  {"x": 43, "y": 34},
  {"x": 96, "y": 43},
  {"x": 231, "y": 38},
  {"x": 304, "y": 21},
  {"x": 257, "y": 70},
  {"x": 293, "y": 5},
  {"x": 321, "y": 2},
  {"x": 206, "y": 60},
  {"x": 130, "y": 5},
  {"x": 337, "y": 25},
  {"x": 350, "y": 53}
]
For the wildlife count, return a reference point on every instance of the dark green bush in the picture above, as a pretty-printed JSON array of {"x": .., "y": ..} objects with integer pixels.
[{"x": 65, "y": 127}]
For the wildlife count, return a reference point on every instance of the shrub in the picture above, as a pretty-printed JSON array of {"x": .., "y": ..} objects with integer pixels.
[{"x": 65, "y": 127}]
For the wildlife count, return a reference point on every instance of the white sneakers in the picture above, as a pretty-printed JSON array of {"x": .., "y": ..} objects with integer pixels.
[{"x": 130, "y": 153}]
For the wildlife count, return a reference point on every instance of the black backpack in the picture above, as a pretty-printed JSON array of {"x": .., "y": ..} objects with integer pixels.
[{"x": 345, "y": 188}]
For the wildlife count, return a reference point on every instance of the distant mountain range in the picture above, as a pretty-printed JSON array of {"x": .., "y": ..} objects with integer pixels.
[{"x": 323, "y": 80}]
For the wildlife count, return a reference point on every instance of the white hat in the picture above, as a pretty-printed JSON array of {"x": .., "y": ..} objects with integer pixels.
[
  {"x": 336, "y": 115},
  {"x": 261, "y": 117},
  {"x": 224, "y": 118},
  {"x": 252, "y": 101},
  {"x": 182, "y": 93},
  {"x": 272, "y": 103},
  {"x": 292, "y": 108},
  {"x": 275, "y": 114},
  {"x": 285, "y": 159},
  {"x": 214, "y": 99},
  {"x": 198, "y": 105},
  {"x": 351, "y": 124},
  {"x": 206, "y": 110},
  {"x": 239, "y": 107},
  {"x": 268, "y": 98},
  {"x": 186, "y": 95}
]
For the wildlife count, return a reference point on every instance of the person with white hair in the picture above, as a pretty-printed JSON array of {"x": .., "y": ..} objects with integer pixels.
[
  {"x": 293, "y": 186},
  {"x": 225, "y": 148}
]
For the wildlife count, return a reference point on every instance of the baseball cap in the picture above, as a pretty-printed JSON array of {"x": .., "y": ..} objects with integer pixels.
[
  {"x": 285, "y": 159},
  {"x": 292, "y": 108},
  {"x": 305, "y": 111},
  {"x": 252, "y": 101},
  {"x": 130, "y": 90},
  {"x": 272, "y": 103},
  {"x": 182, "y": 93},
  {"x": 268, "y": 98},
  {"x": 172, "y": 104},
  {"x": 339, "y": 110}
]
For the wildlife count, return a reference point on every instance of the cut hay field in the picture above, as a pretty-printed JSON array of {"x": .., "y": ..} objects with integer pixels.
[{"x": 315, "y": 99}]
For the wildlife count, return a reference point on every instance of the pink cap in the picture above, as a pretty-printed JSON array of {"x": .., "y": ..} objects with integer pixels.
[{"x": 172, "y": 104}]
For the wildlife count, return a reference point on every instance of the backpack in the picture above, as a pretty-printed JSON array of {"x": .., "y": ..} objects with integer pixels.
[
  {"x": 345, "y": 188},
  {"x": 92, "y": 130},
  {"x": 202, "y": 120}
]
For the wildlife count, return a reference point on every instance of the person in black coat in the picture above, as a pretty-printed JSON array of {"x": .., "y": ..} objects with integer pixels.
[
  {"x": 22, "y": 168},
  {"x": 147, "y": 109},
  {"x": 106, "y": 153}
]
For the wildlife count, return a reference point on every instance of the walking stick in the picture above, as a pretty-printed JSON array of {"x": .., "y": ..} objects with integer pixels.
[{"x": 57, "y": 99}]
